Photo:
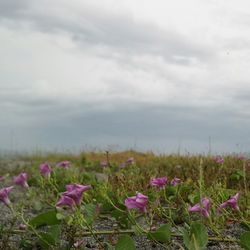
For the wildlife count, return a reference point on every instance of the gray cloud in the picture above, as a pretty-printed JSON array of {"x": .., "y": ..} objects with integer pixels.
[
  {"x": 13, "y": 8},
  {"x": 147, "y": 127},
  {"x": 120, "y": 33},
  {"x": 74, "y": 74}
]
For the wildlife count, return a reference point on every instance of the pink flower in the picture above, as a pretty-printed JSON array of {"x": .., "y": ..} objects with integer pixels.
[
  {"x": 21, "y": 180},
  {"x": 159, "y": 182},
  {"x": 139, "y": 202},
  {"x": 241, "y": 157},
  {"x": 231, "y": 202},
  {"x": 104, "y": 164},
  {"x": 130, "y": 161},
  {"x": 2, "y": 178},
  {"x": 73, "y": 195},
  {"x": 174, "y": 182},
  {"x": 219, "y": 159},
  {"x": 75, "y": 191},
  {"x": 82, "y": 188},
  {"x": 45, "y": 170},
  {"x": 65, "y": 201},
  {"x": 202, "y": 208},
  {"x": 63, "y": 164},
  {"x": 4, "y": 192}
]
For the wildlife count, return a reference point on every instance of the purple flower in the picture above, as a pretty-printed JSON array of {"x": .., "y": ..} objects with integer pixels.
[
  {"x": 21, "y": 180},
  {"x": 45, "y": 170},
  {"x": 82, "y": 188},
  {"x": 231, "y": 202},
  {"x": 241, "y": 157},
  {"x": 2, "y": 178},
  {"x": 159, "y": 182},
  {"x": 139, "y": 202},
  {"x": 63, "y": 164},
  {"x": 104, "y": 164},
  {"x": 130, "y": 161},
  {"x": 75, "y": 191},
  {"x": 65, "y": 201},
  {"x": 219, "y": 159},
  {"x": 174, "y": 182},
  {"x": 4, "y": 192},
  {"x": 202, "y": 208},
  {"x": 73, "y": 195}
]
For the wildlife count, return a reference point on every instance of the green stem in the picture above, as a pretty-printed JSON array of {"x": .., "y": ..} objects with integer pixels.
[
  {"x": 20, "y": 215},
  {"x": 111, "y": 202},
  {"x": 92, "y": 232},
  {"x": 132, "y": 231},
  {"x": 245, "y": 181},
  {"x": 132, "y": 219}
]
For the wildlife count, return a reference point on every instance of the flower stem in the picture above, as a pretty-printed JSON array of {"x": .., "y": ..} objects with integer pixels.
[{"x": 132, "y": 231}]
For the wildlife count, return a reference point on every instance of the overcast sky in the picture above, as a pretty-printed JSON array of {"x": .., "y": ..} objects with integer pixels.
[{"x": 151, "y": 75}]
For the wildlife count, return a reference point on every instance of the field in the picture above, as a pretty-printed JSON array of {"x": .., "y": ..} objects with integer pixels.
[{"x": 123, "y": 201}]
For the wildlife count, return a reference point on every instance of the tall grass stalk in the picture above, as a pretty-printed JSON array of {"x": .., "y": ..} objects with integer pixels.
[
  {"x": 201, "y": 179},
  {"x": 201, "y": 184},
  {"x": 245, "y": 183}
]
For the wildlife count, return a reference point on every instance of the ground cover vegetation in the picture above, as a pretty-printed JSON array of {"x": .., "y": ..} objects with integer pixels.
[{"x": 123, "y": 201}]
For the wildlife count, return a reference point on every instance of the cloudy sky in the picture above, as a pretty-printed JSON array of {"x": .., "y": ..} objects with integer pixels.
[{"x": 152, "y": 75}]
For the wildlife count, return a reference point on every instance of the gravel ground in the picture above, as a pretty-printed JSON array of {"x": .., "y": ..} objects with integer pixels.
[{"x": 142, "y": 243}]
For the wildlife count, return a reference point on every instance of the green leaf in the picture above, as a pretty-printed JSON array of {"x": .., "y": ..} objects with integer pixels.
[
  {"x": 194, "y": 198},
  {"x": 196, "y": 238},
  {"x": 245, "y": 226},
  {"x": 240, "y": 173},
  {"x": 69, "y": 220},
  {"x": 26, "y": 244},
  {"x": 245, "y": 240},
  {"x": 46, "y": 241},
  {"x": 125, "y": 242},
  {"x": 163, "y": 234},
  {"x": 50, "y": 238},
  {"x": 55, "y": 231},
  {"x": 106, "y": 206},
  {"x": 60, "y": 216},
  {"x": 185, "y": 235},
  {"x": 90, "y": 213},
  {"x": 48, "y": 218},
  {"x": 121, "y": 218},
  {"x": 170, "y": 191},
  {"x": 237, "y": 175}
]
